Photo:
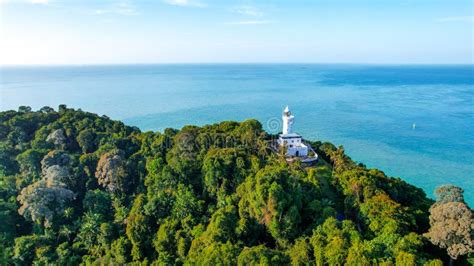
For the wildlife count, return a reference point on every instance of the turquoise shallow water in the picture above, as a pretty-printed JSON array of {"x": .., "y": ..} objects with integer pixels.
[{"x": 369, "y": 109}]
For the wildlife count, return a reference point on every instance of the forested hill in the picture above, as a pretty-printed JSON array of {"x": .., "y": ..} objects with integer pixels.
[{"x": 77, "y": 188}]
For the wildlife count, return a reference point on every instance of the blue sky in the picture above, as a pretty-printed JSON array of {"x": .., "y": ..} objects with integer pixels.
[{"x": 196, "y": 31}]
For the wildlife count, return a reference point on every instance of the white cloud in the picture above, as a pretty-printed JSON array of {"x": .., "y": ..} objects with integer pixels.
[
  {"x": 248, "y": 11},
  {"x": 185, "y": 3},
  {"x": 121, "y": 8},
  {"x": 251, "y": 22},
  {"x": 457, "y": 19}
]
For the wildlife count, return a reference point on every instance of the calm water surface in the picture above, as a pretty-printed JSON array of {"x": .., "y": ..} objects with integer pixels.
[{"x": 367, "y": 108}]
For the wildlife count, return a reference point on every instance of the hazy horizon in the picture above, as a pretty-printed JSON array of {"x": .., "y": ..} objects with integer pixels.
[{"x": 236, "y": 63}]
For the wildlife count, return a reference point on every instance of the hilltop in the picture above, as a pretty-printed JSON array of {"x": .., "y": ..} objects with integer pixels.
[{"x": 76, "y": 188}]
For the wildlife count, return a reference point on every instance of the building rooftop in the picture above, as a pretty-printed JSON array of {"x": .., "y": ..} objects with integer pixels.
[{"x": 290, "y": 135}]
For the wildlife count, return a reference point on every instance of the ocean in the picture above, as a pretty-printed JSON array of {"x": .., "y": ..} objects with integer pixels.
[{"x": 411, "y": 121}]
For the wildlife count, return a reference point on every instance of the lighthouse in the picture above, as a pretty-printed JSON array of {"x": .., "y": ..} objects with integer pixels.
[
  {"x": 290, "y": 140},
  {"x": 288, "y": 120}
]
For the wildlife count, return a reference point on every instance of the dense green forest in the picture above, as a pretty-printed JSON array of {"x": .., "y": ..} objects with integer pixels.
[{"x": 78, "y": 188}]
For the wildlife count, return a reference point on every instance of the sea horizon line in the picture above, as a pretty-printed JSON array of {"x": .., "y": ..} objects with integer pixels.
[{"x": 234, "y": 63}]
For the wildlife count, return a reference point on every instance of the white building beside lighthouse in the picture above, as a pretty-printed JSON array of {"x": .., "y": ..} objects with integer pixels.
[{"x": 292, "y": 141}]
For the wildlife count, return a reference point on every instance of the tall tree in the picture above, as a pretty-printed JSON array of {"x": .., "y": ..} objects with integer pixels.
[
  {"x": 48, "y": 197},
  {"x": 139, "y": 229},
  {"x": 43, "y": 200},
  {"x": 111, "y": 171},
  {"x": 452, "y": 225}
]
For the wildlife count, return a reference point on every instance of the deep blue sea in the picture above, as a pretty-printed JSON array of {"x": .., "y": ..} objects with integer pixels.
[{"x": 370, "y": 109}]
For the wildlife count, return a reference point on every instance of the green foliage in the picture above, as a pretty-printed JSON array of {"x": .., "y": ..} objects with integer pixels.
[
  {"x": 89, "y": 231},
  {"x": 274, "y": 198},
  {"x": 78, "y": 188},
  {"x": 26, "y": 247},
  {"x": 300, "y": 252},
  {"x": 98, "y": 202},
  {"x": 120, "y": 250},
  {"x": 215, "y": 254},
  {"x": 30, "y": 167},
  {"x": 165, "y": 240},
  {"x": 383, "y": 214},
  {"x": 9, "y": 219},
  {"x": 261, "y": 255},
  {"x": 224, "y": 170},
  {"x": 87, "y": 140},
  {"x": 332, "y": 240},
  {"x": 139, "y": 229},
  {"x": 6, "y": 252}
]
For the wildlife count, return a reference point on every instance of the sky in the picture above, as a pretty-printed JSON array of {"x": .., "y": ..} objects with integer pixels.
[{"x": 240, "y": 31}]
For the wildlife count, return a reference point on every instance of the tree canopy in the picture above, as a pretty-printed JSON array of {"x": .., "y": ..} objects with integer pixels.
[
  {"x": 452, "y": 223},
  {"x": 78, "y": 188}
]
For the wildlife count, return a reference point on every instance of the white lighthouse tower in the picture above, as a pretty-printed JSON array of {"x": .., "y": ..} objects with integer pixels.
[
  {"x": 292, "y": 141},
  {"x": 288, "y": 119}
]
